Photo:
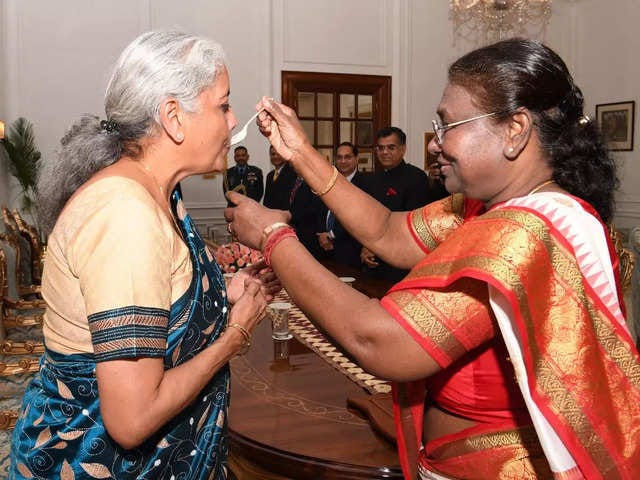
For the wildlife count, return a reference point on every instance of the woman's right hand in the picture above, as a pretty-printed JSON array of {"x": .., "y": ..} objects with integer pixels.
[
  {"x": 282, "y": 128},
  {"x": 248, "y": 219},
  {"x": 250, "y": 307}
]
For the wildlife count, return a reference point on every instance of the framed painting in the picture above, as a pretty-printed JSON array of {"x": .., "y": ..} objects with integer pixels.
[{"x": 616, "y": 122}]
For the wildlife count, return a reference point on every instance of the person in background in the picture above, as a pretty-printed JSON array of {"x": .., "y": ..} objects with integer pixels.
[
  {"x": 399, "y": 186},
  {"x": 306, "y": 208},
  {"x": 244, "y": 178},
  {"x": 332, "y": 236},
  {"x": 139, "y": 326},
  {"x": 436, "y": 182},
  {"x": 507, "y": 342},
  {"x": 279, "y": 183}
]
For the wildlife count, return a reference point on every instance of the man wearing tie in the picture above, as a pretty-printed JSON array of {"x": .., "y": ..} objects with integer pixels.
[
  {"x": 244, "y": 178},
  {"x": 280, "y": 182},
  {"x": 332, "y": 236}
]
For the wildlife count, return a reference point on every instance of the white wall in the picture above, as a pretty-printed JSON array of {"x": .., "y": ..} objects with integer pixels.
[
  {"x": 4, "y": 183},
  {"x": 609, "y": 71},
  {"x": 55, "y": 59}
]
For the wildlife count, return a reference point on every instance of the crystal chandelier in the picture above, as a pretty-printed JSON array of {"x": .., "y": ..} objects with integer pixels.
[{"x": 487, "y": 21}]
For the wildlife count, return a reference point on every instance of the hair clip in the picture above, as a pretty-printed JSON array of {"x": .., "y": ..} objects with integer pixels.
[
  {"x": 109, "y": 126},
  {"x": 584, "y": 119}
]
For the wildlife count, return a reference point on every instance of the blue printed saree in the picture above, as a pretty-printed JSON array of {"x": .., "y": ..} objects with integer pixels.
[{"x": 60, "y": 432}]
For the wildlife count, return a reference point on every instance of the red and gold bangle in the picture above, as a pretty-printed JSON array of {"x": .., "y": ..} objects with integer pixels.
[
  {"x": 268, "y": 230},
  {"x": 275, "y": 238}
]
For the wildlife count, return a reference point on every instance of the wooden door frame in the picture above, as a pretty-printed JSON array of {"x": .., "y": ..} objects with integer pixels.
[{"x": 378, "y": 86}]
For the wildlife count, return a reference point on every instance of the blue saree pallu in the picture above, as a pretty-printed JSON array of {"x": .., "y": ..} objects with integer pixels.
[{"x": 60, "y": 432}]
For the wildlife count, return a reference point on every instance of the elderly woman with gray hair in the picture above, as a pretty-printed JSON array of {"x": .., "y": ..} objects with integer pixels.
[{"x": 139, "y": 325}]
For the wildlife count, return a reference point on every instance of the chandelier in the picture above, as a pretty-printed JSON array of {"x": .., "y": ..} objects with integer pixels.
[{"x": 487, "y": 21}]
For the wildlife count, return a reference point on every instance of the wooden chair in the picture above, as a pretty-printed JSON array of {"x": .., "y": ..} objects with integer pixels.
[
  {"x": 30, "y": 233},
  {"x": 21, "y": 244},
  {"x": 634, "y": 243},
  {"x": 625, "y": 256},
  {"x": 15, "y": 375},
  {"x": 627, "y": 272},
  {"x": 21, "y": 311},
  {"x": 16, "y": 372}
]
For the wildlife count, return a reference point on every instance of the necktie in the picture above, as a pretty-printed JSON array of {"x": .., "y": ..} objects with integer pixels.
[
  {"x": 276, "y": 172},
  {"x": 295, "y": 188},
  {"x": 331, "y": 221}
]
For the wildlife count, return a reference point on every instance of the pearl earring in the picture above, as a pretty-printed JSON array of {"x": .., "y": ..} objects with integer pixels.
[
  {"x": 179, "y": 137},
  {"x": 510, "y": 149}
]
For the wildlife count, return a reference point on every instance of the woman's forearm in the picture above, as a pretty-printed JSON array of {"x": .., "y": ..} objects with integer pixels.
[
  {"x": 358, "y": 323},
  {"x": 137, "y": 397},
  {"x": 383, "y": 232}
]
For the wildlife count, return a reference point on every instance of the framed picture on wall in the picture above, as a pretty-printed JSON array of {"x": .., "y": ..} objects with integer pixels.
[{"x": 615, "y": 121}]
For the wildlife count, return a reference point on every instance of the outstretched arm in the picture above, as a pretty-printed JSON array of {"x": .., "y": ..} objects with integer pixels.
[
  {"x": 360, "y": 324},
  {"x": 371, "y": 223}
]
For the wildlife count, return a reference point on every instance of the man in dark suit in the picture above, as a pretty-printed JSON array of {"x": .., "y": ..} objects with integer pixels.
[
  {"x": 333, "y": 238},
  {"x": 244, "y": 178},
  {"x": 279, "y": 182},
  {"x": 399, "y": 186}
]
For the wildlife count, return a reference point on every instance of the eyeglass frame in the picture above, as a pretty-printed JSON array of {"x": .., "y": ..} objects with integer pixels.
[{"x": 439, "y": 130}]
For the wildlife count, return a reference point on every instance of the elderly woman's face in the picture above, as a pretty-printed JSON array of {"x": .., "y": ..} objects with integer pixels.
[
  {"x": 210, "y": 127},
  {"x": 470, "y": 154}
]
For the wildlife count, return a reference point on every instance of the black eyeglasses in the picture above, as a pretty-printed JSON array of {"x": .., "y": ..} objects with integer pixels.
[{"x": 439, "y": 129}]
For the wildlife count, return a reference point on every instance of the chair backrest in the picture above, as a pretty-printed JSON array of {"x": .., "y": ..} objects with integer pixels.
[
  {"x": 9, "y": 221},
  {"x": 31, "y": 234},
  {"x": 12, "y": 241},
  {"x": 3, "y": 274},
  {"x": 624, "y": 256}
]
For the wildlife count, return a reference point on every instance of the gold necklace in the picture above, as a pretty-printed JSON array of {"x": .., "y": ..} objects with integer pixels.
[
  {"x": 538, "y": 187},
  {"x": 167, "y": 206},
  {"x": 149, "y": 173}
]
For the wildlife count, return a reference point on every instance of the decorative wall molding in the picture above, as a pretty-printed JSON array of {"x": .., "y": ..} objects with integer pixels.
[{"x": 326, "y": 41}]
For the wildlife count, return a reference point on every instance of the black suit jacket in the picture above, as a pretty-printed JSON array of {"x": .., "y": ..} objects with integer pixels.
[
  {"x": 346, "y": 249},
  {"x": 251, "y": 180},
  {"x": 305, "y": 209},
  {"x": 276, "y": 194},
  {"x": 400, "y": 189}
]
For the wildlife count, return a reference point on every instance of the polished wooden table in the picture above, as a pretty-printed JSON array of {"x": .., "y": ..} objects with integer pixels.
[{"x": 289, "y": 419}]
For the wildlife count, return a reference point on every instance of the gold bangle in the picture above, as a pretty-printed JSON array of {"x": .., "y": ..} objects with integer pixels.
[
  {"x": 330, "y": 185},
  {"x": 247, "y": 337},
  {"x": 269, "y": 229}
]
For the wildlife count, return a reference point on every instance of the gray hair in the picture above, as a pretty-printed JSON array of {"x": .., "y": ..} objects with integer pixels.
[{"x": 155, "y": 66}]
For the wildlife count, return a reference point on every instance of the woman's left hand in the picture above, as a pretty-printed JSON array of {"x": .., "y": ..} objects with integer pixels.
[{"x": 269, "y": 283}]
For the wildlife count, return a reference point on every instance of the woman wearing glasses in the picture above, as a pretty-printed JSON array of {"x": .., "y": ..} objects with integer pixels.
[{"x": 507, "y": 340}]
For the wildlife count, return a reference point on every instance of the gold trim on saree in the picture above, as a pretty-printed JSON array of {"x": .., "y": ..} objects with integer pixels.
[
  {"x": 432, "y": 223},
  {"x": 561, "y": 349},
  {"x": 516, "y": 452}
]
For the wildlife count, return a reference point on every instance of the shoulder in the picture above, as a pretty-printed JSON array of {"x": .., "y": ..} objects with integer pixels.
[
  {"x": 253, "y": 168},
  {"x": 112, "y": 202},
  {"x": 413, "y": 170}
]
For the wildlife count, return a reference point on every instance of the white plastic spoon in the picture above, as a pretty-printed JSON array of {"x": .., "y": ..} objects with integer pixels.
[{"x": 242, "y": 134}]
